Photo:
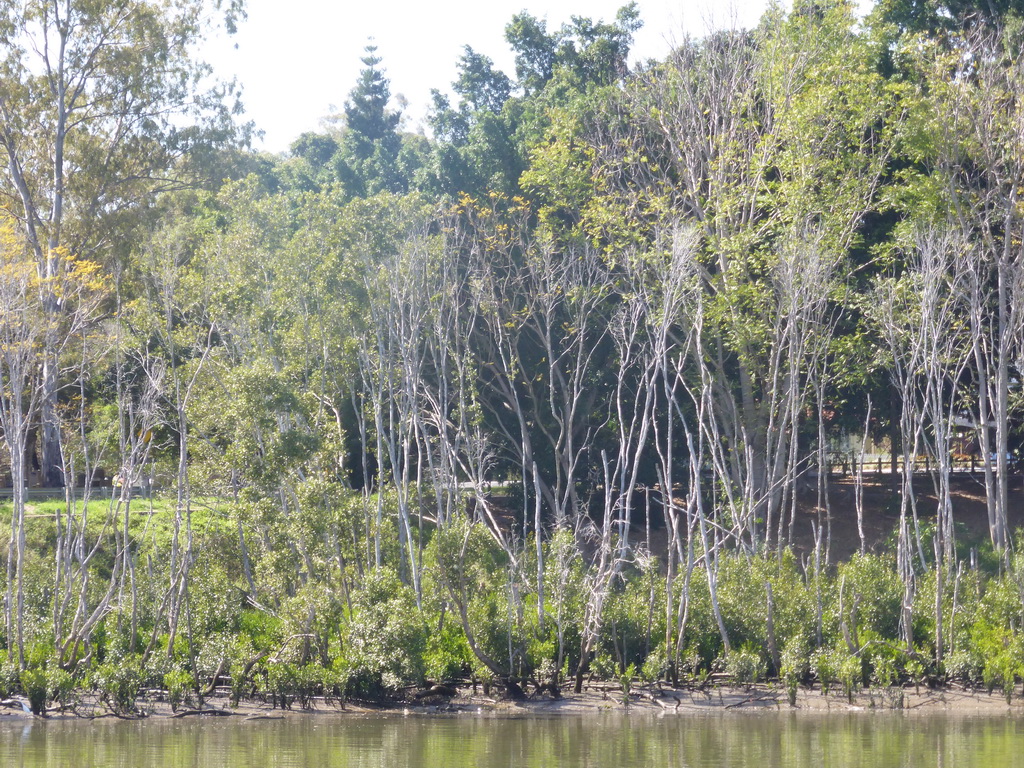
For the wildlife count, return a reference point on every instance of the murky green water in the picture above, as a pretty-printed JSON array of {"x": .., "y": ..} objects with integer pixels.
[{"x": 863, "y": 740}]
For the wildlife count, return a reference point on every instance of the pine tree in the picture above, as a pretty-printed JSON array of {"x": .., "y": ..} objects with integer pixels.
[{"x": 368, "y": 161}]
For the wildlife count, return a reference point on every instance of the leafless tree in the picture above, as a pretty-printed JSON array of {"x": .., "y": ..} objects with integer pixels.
[{"x": 975, "y": 110}]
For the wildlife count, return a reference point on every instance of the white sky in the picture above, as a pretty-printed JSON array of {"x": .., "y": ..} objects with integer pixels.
[{"x": 295, "y": 59}]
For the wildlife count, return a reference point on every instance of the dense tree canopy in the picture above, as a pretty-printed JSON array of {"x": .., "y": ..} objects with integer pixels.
[{"x": 563, "y": 386}]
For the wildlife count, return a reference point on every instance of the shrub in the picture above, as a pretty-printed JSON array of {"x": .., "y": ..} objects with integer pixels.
[
  {"x": 33, "y": 685},
  {"x": 1002, "y": 654},
  {"x": 886, "y": 663},
  {"x": 626, "y": 683},
  {"x": 447, "y": 655},
  {"x": 795, "y": 663},
  {"x": 876, "y": 588},
  {"x": 282, "y": 683},
  {"x": 604, "y": 667},
  {"x": 9, "y": 675},
  {"x": 656, "y": 666},
  {"x": 916, "y": 671},
  {"x": 60, "y": 685},
  {"x": 885, "y": 671},
  {"x": 745, "y": 666},
  {"x": 385, "y": 637},
  {"x": 335, "y": 681},
  {"x": 118, "y": 683},
  {"x": 630, "y": 619},
  {"x": 823, "y": 664},
  {"x": 181, "y": 687},
  {"x": 851, "y": 674},
  {"x": 309, "y": 680},
  {"x": 964, "y": 665}
]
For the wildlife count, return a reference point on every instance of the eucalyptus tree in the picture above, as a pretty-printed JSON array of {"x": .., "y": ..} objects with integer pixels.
[
  {"x": 920, "y": 315},
  {"x": 22, "y": 330},
  {"x": 173, "y": 313},
  {"x": 27, "y": 332},
  {"x": 101, "y": 104},
  {"x": 401, "y": 289},
  {"x": 770, "y": 143},
  {"x": 966, "y": 107}
]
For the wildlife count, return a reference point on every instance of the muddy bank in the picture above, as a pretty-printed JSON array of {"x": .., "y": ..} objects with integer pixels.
[{"x": 663, "y": 701}]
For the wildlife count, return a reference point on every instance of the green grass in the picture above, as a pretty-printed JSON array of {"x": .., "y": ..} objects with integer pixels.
[{"x": 150, "y": 521}]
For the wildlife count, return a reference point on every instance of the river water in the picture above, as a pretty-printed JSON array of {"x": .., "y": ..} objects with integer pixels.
[{"x": 765, "y": 740}]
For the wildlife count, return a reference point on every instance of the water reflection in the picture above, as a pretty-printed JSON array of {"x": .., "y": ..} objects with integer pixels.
[{"x": 863, "y": 740}]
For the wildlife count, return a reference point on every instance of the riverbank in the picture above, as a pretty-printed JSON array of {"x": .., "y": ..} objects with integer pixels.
[
  {"x": 663, "y": 701},
  {"x": 683, "y": 701}
]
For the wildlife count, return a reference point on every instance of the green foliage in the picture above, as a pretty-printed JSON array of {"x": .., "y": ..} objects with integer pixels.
[
  {"x": 261, "y": 629},
  {"x": 594, "y": 53},
  {"x": 632, "y": 620},
  {"x": 656, "y": 665},
  {"x": 283, "y": 682},
  {"x": 886, "y": 662},
  {"x": 384, "y": 637},
  {"x": 945, "y": 16},
  {"x": 288, "y": 682},
  {"x": 626, "y": 682},
  {"x": 795, "y": 666},
  {"x": 743, "y": 596},
  {"x": 118, "y": 682},
  {"x": 181, "y": 688},
  {"x": 888, "y": 665},
  {"x": 964, "y": 665},
  {"x": 874, "y": 587},
  {"x": 917, "y": 670},
  {"x": 241, "y": 681},
  {"x": 34, "y": 686},
  {"x": 9, "y": 674},
  {"x": 295, "y": 350},
  {"x": 825, "y": 667},
  {"x": 447, "y": 655},
  {"x": 473, "y": 570},
  {"x": 60, "y": 685},
  {"x": 605, "y": 667},
  {"x": 851, "y": 674},
  {"x": 1003, "y": 654},
  {"x": 745, "y": 665}
]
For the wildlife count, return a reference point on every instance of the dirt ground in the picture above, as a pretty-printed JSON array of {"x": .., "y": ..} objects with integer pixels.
[
  {"x": 882, "y": 512},
  {"x": 881, "y": 515},
  {"x": 660, "y": 701}
]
